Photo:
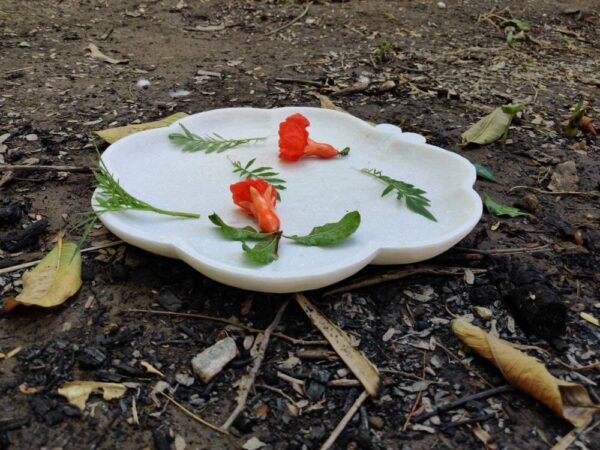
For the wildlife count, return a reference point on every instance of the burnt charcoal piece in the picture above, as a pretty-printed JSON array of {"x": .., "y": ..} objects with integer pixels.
[
  {"x": 92, "y": 357},
  {"x": 161, "y": 441},
  {"x": 534, "y": 303},
  {"x": 170, "y": 301},
  {"x": 11, "y": 213},
  {"x": 18, "y": 240},
  {"x": 484, "y": 295}
]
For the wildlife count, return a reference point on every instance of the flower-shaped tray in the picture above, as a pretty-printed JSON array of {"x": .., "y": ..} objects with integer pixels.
[{"x": 318, "y": 191}]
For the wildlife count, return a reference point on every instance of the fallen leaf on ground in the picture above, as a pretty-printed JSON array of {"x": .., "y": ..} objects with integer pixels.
[
  {"x": 492, "y": 127},
  {"x": 77, "y": 392},
  {"x": 498, "y": 209},
  {"x": 112, "y": 135},
  {"x": 56, "y": 278},
  {"x": 564, "y": 177},
  {"x": 356, "y": 361},
  {"x": 568, "y": 400},
  {"x": 484, "y": 437},
  {"x": 151, "y": 369},
  {"x": 326, "y": 102},
  {"x": 253, "y": 444},
  {"x": 97, "y": 54},
  {"x": 591, "y": 319}
]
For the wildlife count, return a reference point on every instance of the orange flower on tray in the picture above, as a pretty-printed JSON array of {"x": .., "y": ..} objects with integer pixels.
[
  {"x": 258, "y": 198},
  {"x": 294, "y": 142}
]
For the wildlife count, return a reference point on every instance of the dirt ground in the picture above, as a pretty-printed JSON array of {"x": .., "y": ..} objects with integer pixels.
[{"x": 450, "y": 64}]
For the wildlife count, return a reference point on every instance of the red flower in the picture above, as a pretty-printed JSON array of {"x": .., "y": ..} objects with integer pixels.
[
  {"x": 294, "y": 142},
  {"x": 258, "y": 198}
]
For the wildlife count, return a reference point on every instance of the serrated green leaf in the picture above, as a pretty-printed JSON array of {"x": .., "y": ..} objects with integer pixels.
[
  {"x": 330, "y": 233},
  {"x": 237, "y": 234},
  {"x": 491, "y": 127},
  {"x": 484, "y": 172},
  {"x": 498, "y": 209},
  {"x": 263, "y": 252}
]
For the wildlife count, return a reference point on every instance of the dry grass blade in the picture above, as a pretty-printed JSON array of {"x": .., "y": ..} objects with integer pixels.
[
  {"x": 194, "y": 416},
  {"x": 347, "y": 417},
  {"x": 356, "y": 361}
]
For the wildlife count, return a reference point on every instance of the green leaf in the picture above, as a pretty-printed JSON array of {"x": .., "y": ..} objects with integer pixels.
[
  {"x": 237, "y": 234},
  {"x": 190, "y": 142},
  {"x": 330, "y": 233},
  {"x": 484, "y": 172},
  {"x": 263, "y": 252},
  {"x": 266, "y": 173},
  {"x": 520, "y": 25},
  {"x": 497, "y": 209},
  {"x": 572, "y": 127},
  {"x": 492, "y": 127},
  {"x": 415, "y": 198}
]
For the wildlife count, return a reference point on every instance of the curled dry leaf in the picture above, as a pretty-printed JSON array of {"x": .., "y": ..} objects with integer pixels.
[
  {"x": 97, "y": 54},
  {"x": 77, "y": 392},
  {"x": 112, "y": 135},
  {"x": 56, "y": 278},
  {"x": 568, "y": 400}
]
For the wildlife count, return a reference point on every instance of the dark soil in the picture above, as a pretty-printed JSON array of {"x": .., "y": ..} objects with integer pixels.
[{"x": 449, "y": 70}]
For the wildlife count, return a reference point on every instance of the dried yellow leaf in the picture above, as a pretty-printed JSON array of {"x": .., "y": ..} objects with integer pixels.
[
  {"x": 112, "y": 135},
  {"x": 151, "y": 369},
  {"x": 56, "y": 278},
  {"x": 591, "y": 319},
  {"x": 77, "y": 392},
  {"x": 356, "y": 361},
  {"x": 568, "y": 400}
]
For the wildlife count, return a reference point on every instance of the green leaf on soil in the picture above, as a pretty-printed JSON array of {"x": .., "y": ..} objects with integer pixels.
[
  {"x": 498, "y": 209},
  {"x": 484, "y": 172},
  {"x": 330, "y": 233},
  {"x": 574, "y": 122},
  {"x": 491, "y": 127},
  {"x": 263, "y": 252},
  {"x": 520, "y": 25},
  {"x": 238, "y": 234}
]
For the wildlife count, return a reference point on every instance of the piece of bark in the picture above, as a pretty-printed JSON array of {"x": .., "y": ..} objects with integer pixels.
[{"x": 18, "y": 240}]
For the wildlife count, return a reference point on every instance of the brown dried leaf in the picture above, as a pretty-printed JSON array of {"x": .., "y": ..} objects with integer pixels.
[
  {"x": 356, "y": 361},
  {"x": 568, "y": 400}
]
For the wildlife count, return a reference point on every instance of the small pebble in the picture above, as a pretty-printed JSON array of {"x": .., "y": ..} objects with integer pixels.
[
  {"x": 441, "y": 5},
  {"x": 31, "y": 137},
  {"x": 376, "y": 422}
]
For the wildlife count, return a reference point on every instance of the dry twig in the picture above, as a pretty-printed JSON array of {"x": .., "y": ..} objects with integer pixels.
[
  {"x": 347, "y": 417},
  {"x": 248, "y": 380},
  {"x": 28, "y": 168},
  {"x": 194, "y": 416},
  {"x": 400, "y": 274},
  {"x": 291, "y": 22},
  {"x": 241, "y": 326}
]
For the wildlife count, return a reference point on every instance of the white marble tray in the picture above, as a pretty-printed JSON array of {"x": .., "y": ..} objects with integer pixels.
[{"x": 151, "y": 168}]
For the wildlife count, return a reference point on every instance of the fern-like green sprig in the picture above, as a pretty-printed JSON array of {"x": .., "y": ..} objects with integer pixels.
[
  {"x": 191, "y": 142},
  {"x": 415, "y": 198},
  {"x": 266, "y": 173},
  {"x": 111, "y": 197}
]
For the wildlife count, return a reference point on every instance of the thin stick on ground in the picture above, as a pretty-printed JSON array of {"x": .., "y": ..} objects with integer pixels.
[
  {"x": 291, "y": 22},
  {"x": 541, "y": 191},
  {"x": 398, "y": 275},
  {"x": 241, "y": 326},
  {"x": 503, "y": 251},
  {"x": 194, "y": 416},
  {"x": 248, "y": 380},
  {"x": 344, "y": 422},
  {"x": 33, "y": 263},
  {"x": 461, "y": 401},
  {"x": 413, "y": 410},
  {"x": 28, "y": 168}
]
